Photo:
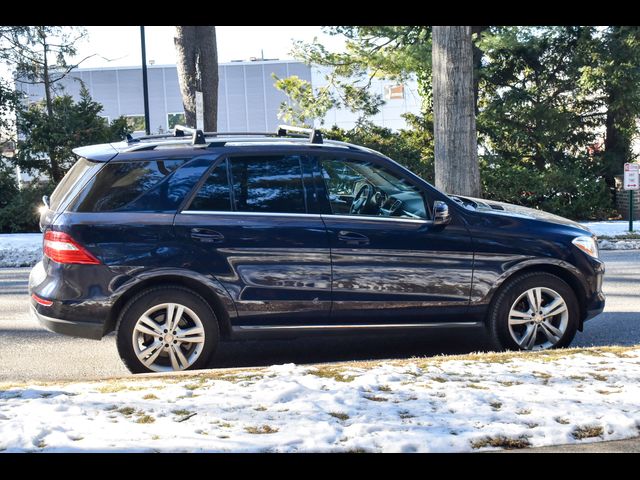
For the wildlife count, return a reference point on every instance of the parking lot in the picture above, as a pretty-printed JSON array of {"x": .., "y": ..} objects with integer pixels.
[{"x": 28, "y": 352}]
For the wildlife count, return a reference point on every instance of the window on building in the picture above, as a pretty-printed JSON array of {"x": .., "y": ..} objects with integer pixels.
[
  {"x": 268, "y": 184},
  {"x": 394, "y": 92},
  {"x": 174, "y": 119},
  {"x": 136, "y": 122}
]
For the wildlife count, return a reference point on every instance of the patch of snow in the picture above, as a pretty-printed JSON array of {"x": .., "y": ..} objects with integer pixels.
[
  {"x": 612, "y": 228},
  {"x": 422, "y": 405},
  {"x": 20, "y": 249}
]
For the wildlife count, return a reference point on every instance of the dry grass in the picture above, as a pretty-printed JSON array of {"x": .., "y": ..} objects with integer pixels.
[
  {"x": 150, "y": 396},
  {"x": 561, "y": 421},
  {"x": 496, "y": 406},
  {"x": 500, "y": 441},
  {"x": 375, "y": 398},
  {"x": 145, "y": 419},
  {"x": 332, "y": 372},
  {"x": 261, "y": 430},
  {"x": 126, "y": 411},
  {"x": 340, "y": 416},
  {"x": 587, "y": 431},
  {"x": 181, "y": 412}
]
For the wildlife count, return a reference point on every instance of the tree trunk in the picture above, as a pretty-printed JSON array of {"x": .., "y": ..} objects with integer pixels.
[
  {"x": 55, "y": 172},
  {"x": 455, "y": 145},
  {"x": 197, "y": 62}
]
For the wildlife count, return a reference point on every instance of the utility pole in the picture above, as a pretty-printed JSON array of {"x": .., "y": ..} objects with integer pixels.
[{"x": 145, "y": 87}]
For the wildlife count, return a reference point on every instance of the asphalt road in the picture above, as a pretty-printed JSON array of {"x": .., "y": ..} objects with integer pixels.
[{"x": 28, "y": 352}]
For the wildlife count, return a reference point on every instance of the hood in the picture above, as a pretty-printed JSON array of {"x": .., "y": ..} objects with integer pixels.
[{"x": 510, "y": 210}]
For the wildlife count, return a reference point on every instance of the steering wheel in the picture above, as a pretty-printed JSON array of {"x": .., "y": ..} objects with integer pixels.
[{"x": 362, "y": 198}]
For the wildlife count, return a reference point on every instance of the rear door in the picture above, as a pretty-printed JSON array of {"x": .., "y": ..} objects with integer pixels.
[
  {"x": 390, "y": 264},
  {"x": 253, "y": 225}
]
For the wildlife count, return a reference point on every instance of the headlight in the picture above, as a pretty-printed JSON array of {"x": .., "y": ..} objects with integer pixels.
[{"x": 587, "y": 244}]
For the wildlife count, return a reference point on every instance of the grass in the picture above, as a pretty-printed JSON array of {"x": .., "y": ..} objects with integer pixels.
[
  {"x": 339, "y": 415},
  {"x": 476, "y": 386},
  {"x": 561, "y": 421},
  {"x": 150, "y": 396},
  {"x": 261, "y": 430},
  {"x": 375, "y": 398},
  {"x": 333, "y": 373},
  {"x": 145, "y": 419},
  {"x": 496, "y": 406},
  {"x": 599, "y": 377},
  {"x": 384, "y": 388},
  {"x": 260, "y": 409},
  {"x": 439, "y": 379},
  {"x": 523, "y": 411},
  {"x": 126, "y": 411},
  {"x": 500, "y": 441},
  {"x": 181, "y": 412},
  {"x": 404, "y": 414},
  {"x": 587, "y": 431}
]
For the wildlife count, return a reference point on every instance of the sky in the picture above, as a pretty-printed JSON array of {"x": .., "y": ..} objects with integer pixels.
[{"x": 120, "y": 45}]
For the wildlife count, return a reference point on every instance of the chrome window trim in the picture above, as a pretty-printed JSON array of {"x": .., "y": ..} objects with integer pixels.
[
  {"x": 373, "y": 217},
  {"x": 306, "y": 215},
  {"x": 258, "y": 214}
]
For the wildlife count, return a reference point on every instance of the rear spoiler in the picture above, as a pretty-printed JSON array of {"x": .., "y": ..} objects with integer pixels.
[{"x": 98, "y": 153}]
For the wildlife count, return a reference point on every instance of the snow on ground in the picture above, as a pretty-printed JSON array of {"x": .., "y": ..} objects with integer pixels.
[
  {"x": 439, "y": 404},
  {"x": 20, "y": 249},
  {"x": 613, "y": 228}
]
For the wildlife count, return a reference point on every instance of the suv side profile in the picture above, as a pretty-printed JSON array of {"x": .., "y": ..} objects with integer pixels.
[{"x": 178, "y": 243}]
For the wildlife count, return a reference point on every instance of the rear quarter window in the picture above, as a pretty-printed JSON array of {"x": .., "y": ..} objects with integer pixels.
[
  {"x": 157, "y": 185},
  {"x": 75, "y": 177}
]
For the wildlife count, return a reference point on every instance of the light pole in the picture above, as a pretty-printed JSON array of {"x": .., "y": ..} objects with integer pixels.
[{"x": 145, "y": 87}]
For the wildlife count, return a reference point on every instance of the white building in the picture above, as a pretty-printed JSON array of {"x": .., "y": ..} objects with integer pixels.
[{"x": 247, "y": 101}]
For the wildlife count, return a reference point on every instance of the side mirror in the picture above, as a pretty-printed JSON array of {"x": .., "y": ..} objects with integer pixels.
[{"x": 441, "y": 213}]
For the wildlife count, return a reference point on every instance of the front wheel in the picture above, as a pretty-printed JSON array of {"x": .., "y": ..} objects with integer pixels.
[
  {"x": 535, "y": 311},
  {"x": 166, "y": 329}
]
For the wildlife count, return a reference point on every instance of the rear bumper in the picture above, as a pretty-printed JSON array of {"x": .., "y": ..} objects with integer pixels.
[{"x": 93, "y": 331}]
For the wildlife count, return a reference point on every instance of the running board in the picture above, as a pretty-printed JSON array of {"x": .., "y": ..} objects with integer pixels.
[{"x": 303, "y": 328}]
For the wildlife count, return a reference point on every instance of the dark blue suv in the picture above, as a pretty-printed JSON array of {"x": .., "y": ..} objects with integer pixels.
[{"x": 177, "y": 243}]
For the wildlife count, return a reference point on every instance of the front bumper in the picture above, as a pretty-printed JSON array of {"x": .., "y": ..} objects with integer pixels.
[
  {"x": 93, "y": 331},
  {"x": 595, "y": 307}
]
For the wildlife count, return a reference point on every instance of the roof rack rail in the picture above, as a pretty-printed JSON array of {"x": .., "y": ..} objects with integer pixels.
[{"x": 315, "y": 136}]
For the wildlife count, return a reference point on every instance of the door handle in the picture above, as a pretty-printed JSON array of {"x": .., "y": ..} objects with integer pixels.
[
  {"x": 353, "y": 238},
  {"x": 206, "y": 235}
]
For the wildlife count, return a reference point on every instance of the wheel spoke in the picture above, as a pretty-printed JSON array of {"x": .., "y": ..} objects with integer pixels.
[
  {"x": 141, "y": 328},
  {"x": 149, "y": 323},
  {"x": 174, "y": 359},
  {"x": 528, "y": 340},
  {"x": 551, "y": 328},
  {"x": 154, "y": 349},
  {"x": 190, "y": 335},
  {"x": 531, "y": 298},
  {"x": 183, "y": 360},
  {"x": 555, "y": 308},
  {"x": 517, "y": 317},
  {"x": 174, "y": 314}
]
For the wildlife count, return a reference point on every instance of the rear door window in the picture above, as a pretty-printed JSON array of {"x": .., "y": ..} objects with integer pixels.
[
  {"x": 214, "y": 195},
  {"x": 266, "y": 183}
]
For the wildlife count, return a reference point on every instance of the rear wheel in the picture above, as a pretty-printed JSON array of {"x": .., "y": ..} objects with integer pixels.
[
  {"x": 166, "y": 329},
  {"x": 535, "y": 311}
]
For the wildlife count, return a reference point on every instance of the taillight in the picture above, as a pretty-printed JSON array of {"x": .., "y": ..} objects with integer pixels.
[
  {"x": 41, "y": 301},
  {"x": 61, "y": 248}
]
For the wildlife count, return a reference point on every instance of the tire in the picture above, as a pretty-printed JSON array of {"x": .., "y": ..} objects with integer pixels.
[
  {"x": 147, "y": 345},
  {"x": 512, "y": 323}
]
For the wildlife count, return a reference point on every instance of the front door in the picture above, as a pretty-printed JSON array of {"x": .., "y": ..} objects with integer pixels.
[
  {"x": 250, "y": 228},
  {"x": 390, "y": 264}
]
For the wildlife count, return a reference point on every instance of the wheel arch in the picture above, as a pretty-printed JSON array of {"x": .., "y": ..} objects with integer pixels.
[
  {"x": 560, "y": 270},
  {"x": 213, "y": 293}
]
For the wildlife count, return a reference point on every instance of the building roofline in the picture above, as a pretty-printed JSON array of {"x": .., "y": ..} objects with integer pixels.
[{"x": 173, "y": 65}]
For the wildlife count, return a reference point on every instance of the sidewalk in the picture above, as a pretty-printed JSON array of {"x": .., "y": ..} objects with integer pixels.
[{"x": 631, "y": 445}]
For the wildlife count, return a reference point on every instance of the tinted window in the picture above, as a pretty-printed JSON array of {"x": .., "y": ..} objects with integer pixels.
[
  {"x": 81, "y": 169},
  {"x": 268, "y": 184},
  {"x": 119, "y": 186},
  {"x": 214, "y": 194},
  {"x": 358, "y": 187}
]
